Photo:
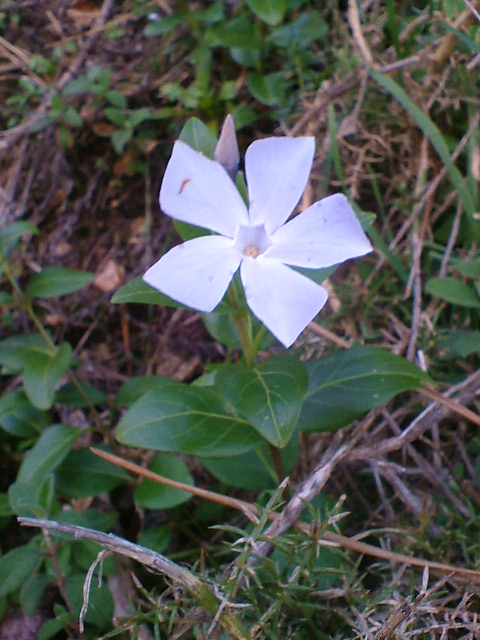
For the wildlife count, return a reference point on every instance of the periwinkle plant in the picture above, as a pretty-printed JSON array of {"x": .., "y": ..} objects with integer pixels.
[{"x": 249, "y": 258}]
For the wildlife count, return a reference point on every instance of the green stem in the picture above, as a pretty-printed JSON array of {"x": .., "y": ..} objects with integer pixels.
[
  {"x": 244, "y": 327},
  {"x": 26, "y": 304}
]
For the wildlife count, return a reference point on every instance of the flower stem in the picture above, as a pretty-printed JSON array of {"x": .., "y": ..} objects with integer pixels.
[{"x": 243, "y": 322}]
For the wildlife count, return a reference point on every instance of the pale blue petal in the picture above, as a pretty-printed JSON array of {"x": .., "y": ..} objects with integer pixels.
[
  {"x": 281, "y": 298},
  {"x": 326, "y": 233},
  {"x": 277, "y": 171},
  {"x": 199, "y": 191},
  {"x": 196, "y": 273}
]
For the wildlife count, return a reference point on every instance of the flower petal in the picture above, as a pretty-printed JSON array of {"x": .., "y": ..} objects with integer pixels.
[
  {"x": 277, "y": 171},
  {"x": 281, "y": 298},
  {"x": 196, "y": 273},
  {"x": 198, "y": 190},
  {"x": 326, "y": 233}
]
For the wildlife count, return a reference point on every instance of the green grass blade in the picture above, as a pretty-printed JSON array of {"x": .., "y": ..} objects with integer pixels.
[{"x": 436, "y": 139}]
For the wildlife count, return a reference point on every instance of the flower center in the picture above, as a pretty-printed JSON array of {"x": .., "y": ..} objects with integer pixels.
[
  {"x": 252, "y": 240},
  {"x": 251, "y": 251}
]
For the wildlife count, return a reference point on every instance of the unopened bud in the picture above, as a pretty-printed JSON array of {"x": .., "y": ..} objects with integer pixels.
[{"x": 226, "y": 151}]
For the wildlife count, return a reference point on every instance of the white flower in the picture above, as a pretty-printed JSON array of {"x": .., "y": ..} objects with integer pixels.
[{"x": 199, "y": 191}]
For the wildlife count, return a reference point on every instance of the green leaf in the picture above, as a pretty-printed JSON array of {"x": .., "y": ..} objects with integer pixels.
[
  {"x": 100, "y": 603},
  {"x": 269, "y": 396},
  {"x": 116, "y": 99},
  {"x": 270, "y": 11},
  {"x": 57, "y": 281},
  {"x": 268, "y": 89},
  {"x": 42, "y": 372},
  {"x": 253, "y": 470},
  {"x": 117, "y": 116},
  {"x": 198, "y": 137},
  {"x": 186, "y": 420},
  {"x": 72, "y": 117},
  {"x": 6, "y": 298},
  {"x": 435, "y": 137},
  {"x": 16, "y": 566},
  {"x": 31, "y": 593},
  {"x": 469, "y": 268},
  {"x": 120, "y": 139},
  {"x": 188, "y": 231},
  {"x": 82, "y": 474},
  {"x": 137, "y": 291},
  {"x": 453, "y": 291},
  {"x": 25, "y": 500},
  {"x": 16, "y": 351},
  {"x": 71, "y": 396},
  {"x": 317, "y": 275},
  {"x": 164, "y": 25},
  {"x": 19, "y": 417},
  {"x": 461, "y": 343},
  {"x": 9, "y": 236},
  {"x": 214, "y": 13},
  {"x": 238, "y": 33},
  {"x": 90, "y": 518},
  {"x": 136, "y": 387},
  {"x": 344, "y": 386},
  {"x": 5, "y": 508},
  {"x": 156, "y": 538},
  {"x": 154, "y": 495},
  {"x": 299, "y": 34},
  {"x": 137, "y": 116},
  {"x": 47, "y": 453},
  {"x": 51, "y": 628}
]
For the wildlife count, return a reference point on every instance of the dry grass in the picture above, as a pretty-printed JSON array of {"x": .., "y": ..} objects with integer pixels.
[{"x": 407, "y": 470}]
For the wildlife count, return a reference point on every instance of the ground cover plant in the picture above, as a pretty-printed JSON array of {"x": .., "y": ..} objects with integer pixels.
[{"x": 268, "y": 463}]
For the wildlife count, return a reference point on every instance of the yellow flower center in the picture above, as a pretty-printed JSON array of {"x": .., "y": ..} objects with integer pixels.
[{"x": 251, "y": 251}]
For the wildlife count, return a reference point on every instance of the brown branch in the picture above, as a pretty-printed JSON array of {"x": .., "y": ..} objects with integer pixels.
[
  {"x": 179, "y": 575},
  {"x": 312, "y": 485},
  {"x": 232, "y": 503}
]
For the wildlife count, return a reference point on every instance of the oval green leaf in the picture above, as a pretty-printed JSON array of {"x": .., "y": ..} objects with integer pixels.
[
  {"x": 153, "y": 495},
  {"x": 47, "y": 453},
  {"x": 186, "y": 420},
  {"x": 198, "y": 137},
  {"x": 137, "y": 291},
  {"x": 57, "y": 281},
  {"x": 269, "y": 396},
  {"x": 100, "y": 603},
  {"x": 25, "y": 500},
  {"x": 19, "y": 417},
  {"x": 136, "y": 387},
  {"x": 16, "y": 351},
  {"x": 269, "y": 11},
  {"x": 253, "y": 470},
  {"x": 42, "y": 372},
  {"x": 80, "y": 396},
  {"x": 344, "y": 386},
  {"x": 9, "y": 236},
  {"x": 16, "y": 566},
  {"x": 82, "y": 474},
  {"x": 453, "y": 291}
]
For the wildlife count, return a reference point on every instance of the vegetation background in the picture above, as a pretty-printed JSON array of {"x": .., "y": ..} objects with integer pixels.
[{"x": 93, "y": 95}]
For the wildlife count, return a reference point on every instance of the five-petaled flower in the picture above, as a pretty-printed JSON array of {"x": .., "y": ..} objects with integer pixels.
[{"x": 199, "y": 191}]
